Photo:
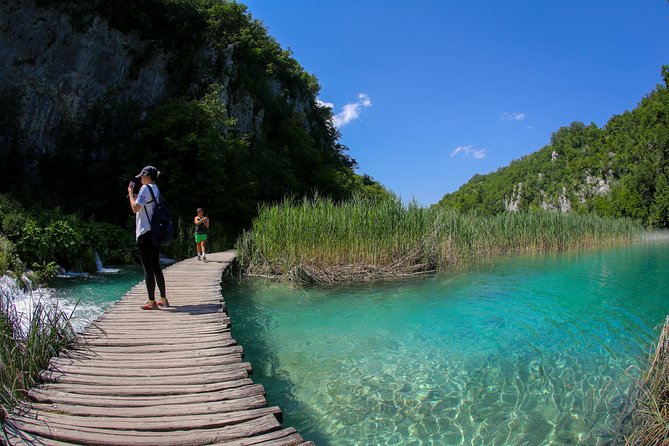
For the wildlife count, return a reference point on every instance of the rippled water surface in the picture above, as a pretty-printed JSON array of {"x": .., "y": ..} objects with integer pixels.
[
  {"x": 529, "y": 351},
  {"x": 89, "y": 295}
]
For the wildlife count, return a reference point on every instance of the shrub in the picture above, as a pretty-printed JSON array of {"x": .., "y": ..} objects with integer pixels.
[
  {"x": 8, "y": 260},
  {"x": 43, "y": 273}
]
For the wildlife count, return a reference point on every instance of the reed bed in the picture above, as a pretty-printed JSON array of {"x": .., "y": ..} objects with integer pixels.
[
  {"x": 645, "y": 420},
  {"x": 27, "y": 343},
  {"x": 318, "y": 240}
]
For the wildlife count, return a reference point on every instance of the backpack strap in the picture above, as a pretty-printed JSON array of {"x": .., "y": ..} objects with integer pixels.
[{"x": 153, "y": 198}]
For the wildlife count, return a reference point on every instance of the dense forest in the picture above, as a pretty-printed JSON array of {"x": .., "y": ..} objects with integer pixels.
[
  {"x": 620, "y": 170},
  {"x": 197, "y": 88},
  {"x": 213, "y": 49}
]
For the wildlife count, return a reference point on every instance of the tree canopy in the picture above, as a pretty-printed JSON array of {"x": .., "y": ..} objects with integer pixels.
[{"x": 206, "y": 159}]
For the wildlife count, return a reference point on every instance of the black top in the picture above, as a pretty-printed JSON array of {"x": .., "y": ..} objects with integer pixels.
[{"x": 200, "y": 228}]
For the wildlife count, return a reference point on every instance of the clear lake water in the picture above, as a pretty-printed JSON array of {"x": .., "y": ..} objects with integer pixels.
[{"x": 523, "y": 351}]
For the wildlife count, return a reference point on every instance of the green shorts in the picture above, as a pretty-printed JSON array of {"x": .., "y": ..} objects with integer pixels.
[{"x": 200, "y": 238}]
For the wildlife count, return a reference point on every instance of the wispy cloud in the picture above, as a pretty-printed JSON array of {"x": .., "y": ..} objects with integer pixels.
[
  {"x": 468, "y": 151},
  {"x": 349, "y": 112},
  {"x": 513, "y": 116}
]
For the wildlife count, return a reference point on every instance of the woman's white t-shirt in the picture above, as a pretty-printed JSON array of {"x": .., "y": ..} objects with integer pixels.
[{"x": 144, "y": 199}]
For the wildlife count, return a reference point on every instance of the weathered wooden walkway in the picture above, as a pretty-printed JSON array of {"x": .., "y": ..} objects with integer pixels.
[{"x": 169, "y": 377}]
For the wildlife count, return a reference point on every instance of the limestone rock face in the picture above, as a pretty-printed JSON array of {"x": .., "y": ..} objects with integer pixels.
[
  {"x": 57, "y": 67},
  {"x": 59, "y": 72}
]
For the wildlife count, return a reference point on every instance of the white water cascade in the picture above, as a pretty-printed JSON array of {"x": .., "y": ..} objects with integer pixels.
[
  {"x": 23, "y": 299},
  {"x": 100, "y": 267}
]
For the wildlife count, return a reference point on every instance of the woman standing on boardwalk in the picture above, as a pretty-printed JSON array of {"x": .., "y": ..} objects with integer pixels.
[
  {"x": 201, "y": 226},
  {"x": 143, "y": 205}
]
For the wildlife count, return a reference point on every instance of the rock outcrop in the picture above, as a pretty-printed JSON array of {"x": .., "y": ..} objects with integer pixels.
[{"x": 55, "y": 67}]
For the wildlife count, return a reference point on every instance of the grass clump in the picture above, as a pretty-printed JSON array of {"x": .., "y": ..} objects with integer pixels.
[
  {"x": 318, "y": 240},
  {"x": 27, "y": 343},
  {"x": 645, "y": 421}
]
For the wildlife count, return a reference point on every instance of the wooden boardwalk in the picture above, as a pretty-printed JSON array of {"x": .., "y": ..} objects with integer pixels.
[{"x": 169, "y": 377}]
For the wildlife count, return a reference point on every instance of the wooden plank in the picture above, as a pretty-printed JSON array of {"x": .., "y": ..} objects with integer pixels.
[
  {"x": 119, "y": 355},
  {"x": 292, "y": 440},
  {"x": 163, "y": 348},
  {"x": 162, "y": 364},
  {"x": 287, "y": 435},
  {"x": 151, "y": 424},
  {"x": 122, "y": 341},
  {"x": 157, "y": 389},
  {"x": 156, "y": 331},
  {"x": 113, "y": 381},
  {"x": 170, "y": 409},
  {"x": 108, "y": 437},
  {"x": 19, "y": 438},
  {"x": 148, "y": 371},
  {"x": 58, "y": 397}
]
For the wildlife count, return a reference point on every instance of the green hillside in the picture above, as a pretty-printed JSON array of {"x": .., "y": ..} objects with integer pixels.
[{"x": 620, "y": 170}]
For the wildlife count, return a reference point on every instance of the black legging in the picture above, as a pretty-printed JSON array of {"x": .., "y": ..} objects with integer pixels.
[{"x": 149, "y": 254}]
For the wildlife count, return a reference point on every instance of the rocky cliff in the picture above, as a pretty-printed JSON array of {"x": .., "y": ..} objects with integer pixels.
[
  {"x": 58, "y": 72},
  {"x": 54, "y": 66}
]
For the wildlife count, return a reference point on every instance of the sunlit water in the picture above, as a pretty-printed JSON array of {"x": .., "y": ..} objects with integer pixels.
[
  {"x": 90, "y": 295},
  {"x": 83, "y": 296},
  {"x": 528, "y": 351}
]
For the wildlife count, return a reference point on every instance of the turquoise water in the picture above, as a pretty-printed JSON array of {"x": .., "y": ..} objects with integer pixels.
[
  {"x": 89, "y": 295},
  {"x": 526, "y": 351}
]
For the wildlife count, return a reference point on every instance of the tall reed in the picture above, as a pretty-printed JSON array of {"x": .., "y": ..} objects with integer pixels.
[
  {"x": 317, "y": 239},
  {"x": 27, "y": 343}
]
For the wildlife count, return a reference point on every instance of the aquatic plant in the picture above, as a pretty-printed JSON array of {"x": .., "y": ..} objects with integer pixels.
[
  {"x": 646, "y": 417},
  {"x": 318, "y": 240},
  {"x": 27, "y": 343}
]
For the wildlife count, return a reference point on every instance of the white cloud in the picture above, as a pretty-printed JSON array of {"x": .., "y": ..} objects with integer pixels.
[
  {"x": 468, "y": 151},
  {"x": 350, "y": 112},
  {"x": 513, "y": 116}
]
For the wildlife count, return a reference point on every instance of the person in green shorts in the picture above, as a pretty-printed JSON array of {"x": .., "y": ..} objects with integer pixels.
[{"x": 201, "y": 227}]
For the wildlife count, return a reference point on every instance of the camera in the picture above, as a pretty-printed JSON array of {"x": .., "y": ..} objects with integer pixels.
[{"x": 131, "y": 184}]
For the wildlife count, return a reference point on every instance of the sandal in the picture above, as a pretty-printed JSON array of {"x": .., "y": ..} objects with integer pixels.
[
  {"x": 150, "y": 305},
  {"x": 163, "y": 302}
]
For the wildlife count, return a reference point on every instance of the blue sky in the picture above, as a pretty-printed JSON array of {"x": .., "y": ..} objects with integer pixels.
[{"x": 438, "y": 91}]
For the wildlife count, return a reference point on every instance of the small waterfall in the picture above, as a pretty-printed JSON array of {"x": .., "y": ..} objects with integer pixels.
[
  {"x": 100, "y": 267},
  {"x": 98, "y": 263}
]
